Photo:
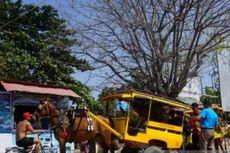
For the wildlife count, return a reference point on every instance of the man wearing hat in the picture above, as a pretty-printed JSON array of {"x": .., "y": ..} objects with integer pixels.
[
  {"x": 23, "y": 127},
  {"x": 209, "y": 120}
]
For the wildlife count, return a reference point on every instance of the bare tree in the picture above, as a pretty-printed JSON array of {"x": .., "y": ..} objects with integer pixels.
[{"x": 153, "y": 44}]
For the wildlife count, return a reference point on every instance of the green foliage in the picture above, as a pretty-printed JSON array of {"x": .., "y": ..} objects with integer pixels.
[
  {"x": 105, "y": 92},
  {"x": 86, "y": 99},
  {"x": 212, "y": 96},
  {"x": 98, "y": 106},
  {"x": 36, "y": 46}
]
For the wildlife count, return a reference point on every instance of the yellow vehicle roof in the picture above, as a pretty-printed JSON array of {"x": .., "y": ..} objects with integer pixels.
[
  {"x": 218, "y": 108},
  {"x": 130, "y": 94}
]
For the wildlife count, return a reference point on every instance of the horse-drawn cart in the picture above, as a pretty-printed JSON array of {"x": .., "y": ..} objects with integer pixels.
[
  {"x": 142, "y": 120},
  {"x": 136, "y": 119}
]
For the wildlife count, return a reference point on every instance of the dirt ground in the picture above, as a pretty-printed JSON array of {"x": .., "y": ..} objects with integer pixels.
[{"x": 99, "y": 150}]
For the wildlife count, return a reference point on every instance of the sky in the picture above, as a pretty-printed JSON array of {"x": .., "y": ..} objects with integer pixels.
[{"x": 65, "y": 10}]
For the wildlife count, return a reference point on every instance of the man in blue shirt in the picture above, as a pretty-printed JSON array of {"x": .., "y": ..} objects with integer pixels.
[{"x": 209, "y": 120}]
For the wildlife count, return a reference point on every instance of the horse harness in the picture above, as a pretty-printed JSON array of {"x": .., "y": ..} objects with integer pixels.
[
  {"x": 61, "y": 123},
  {"x": 81, "y": 115},
  {"x": 64, "y": 125}
]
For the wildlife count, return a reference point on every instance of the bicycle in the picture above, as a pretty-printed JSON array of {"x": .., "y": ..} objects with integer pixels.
[{"x": 43, "y": 148}]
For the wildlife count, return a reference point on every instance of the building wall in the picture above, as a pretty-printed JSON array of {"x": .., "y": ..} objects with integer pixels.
[
  {"x": 224, "y": 75},
  {"x": 8, "y": 104}
]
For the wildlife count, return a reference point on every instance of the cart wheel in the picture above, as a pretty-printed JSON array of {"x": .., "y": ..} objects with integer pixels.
[
  {"x": 127, "y": 149},
  {"x": 14, "y": 150},
  {"x": 153, "y": 149}
]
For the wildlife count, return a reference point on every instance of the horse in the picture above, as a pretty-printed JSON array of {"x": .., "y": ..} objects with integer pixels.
[{"x": 78, "y": 130}]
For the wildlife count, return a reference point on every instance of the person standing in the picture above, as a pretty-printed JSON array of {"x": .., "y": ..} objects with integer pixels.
[
  {"x": 195, "y": 127},
  {"x": 209, "y": 120}
]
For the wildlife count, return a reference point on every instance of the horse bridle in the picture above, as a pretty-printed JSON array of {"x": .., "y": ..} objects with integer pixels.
[
  {"x": 48, "y": 107},
  {"x": 45, "y": 104}
]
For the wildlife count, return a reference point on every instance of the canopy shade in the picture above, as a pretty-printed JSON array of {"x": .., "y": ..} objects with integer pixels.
[{"x": 37, "y": 88}]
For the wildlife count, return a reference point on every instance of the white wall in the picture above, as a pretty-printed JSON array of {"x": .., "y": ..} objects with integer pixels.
[
  {"x": 224, "y": 74},
  {"x": 192, "y": 89},
  {"x": 6, "y": 140}
]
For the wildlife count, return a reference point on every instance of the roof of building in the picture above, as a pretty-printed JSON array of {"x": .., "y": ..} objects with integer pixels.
[{"x": 20, "y": 86}]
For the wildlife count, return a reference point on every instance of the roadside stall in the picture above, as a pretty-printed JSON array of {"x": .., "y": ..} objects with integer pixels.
[{"x": 18, "y": 97}]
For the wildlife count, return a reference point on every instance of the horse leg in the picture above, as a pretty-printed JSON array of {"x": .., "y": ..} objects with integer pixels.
[
  {"x": 105, "y": 146},
  {"x": 62, "y": 145},
  {"x": 112, "y": 150},
  {"x": 92, "y": 145},
  {"x": 105, "y": 150},
  {"x": 101, "y": 143}
]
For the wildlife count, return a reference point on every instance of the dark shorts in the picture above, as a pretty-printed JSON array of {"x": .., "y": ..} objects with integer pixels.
[{"x": 25, "y": 142}]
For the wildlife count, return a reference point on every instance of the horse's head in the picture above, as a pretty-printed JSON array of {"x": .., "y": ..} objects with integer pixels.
[{"x": 44, "y": 108}]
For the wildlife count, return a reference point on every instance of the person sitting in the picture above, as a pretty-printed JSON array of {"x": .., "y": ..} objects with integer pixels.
[
  {"x": 22, "y": 129},
  {"x": 174, "y": 118},
  {"x": 142, "y": 115}
]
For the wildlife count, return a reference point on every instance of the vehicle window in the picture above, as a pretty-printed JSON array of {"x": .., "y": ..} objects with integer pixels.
[
  {"x": 159, "y": 112},
  {"x": 165, "y": 113},
  {"x": 117, "y": 108},
  {"x": 139, "y": 112},
  {"x": 121, "y": 105}
]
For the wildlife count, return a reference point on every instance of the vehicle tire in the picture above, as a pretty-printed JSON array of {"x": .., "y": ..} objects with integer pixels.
[
  {"x": 46, "y": 149},
  {"x": 127, "y": 149},
  {"x": 153, "y": 149},
  {"x": 13, "y": 150}
]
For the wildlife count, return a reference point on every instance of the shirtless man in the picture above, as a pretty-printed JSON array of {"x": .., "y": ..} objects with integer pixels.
[{"x": 22, "y": 129}]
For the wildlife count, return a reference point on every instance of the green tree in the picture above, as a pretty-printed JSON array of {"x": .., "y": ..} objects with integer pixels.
[
  {"x": 212, "y": 96},
  {"x": 105, "y": 92},
  {"x": 36, "y": 46}
]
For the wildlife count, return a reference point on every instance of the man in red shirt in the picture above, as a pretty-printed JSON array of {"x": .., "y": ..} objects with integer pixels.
[{"x": 195, "y": 125}]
